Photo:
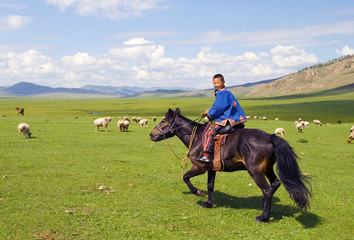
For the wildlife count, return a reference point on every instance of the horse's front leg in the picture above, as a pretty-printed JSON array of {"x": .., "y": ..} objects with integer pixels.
[
  {"x": 211, "y": 181},
  {"x": 194, "y": 171}
]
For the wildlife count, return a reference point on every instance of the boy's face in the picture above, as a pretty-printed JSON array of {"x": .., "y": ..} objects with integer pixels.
[{"x": 218, "y": 83}]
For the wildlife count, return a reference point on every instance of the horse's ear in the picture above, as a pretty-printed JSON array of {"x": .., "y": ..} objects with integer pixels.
[
  {"x": 169, "y": 112},
  {"x": 177, "y": 111}
]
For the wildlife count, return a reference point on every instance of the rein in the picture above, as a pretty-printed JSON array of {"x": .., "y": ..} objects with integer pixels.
[{"x": 184, "y": 161}]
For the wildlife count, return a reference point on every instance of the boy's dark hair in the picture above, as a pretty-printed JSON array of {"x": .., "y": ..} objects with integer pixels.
[{"x": 219, "y": 76}]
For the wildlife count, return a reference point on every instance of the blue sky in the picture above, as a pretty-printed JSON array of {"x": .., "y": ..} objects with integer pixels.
[{"x": 168, "y": 43}]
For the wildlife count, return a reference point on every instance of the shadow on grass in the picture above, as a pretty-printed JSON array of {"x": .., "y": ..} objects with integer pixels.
[{"x": 307, "y": 219}]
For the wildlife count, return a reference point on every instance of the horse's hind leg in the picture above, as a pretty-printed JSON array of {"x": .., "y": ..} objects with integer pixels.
[
  {"x": 267, "y": 191},
  {"x": 274, "y": 181},
  {"x": 194, "y": 171}
]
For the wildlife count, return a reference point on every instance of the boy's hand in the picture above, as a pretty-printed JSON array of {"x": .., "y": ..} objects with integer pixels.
[{"x": 205, "y": 114}]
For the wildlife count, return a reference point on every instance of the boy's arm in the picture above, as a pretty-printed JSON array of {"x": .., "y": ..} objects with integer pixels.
[{"x": 219, "y": 105}]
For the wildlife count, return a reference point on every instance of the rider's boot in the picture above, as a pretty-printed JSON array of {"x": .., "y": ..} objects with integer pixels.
[{"x": 204, "y": 159}]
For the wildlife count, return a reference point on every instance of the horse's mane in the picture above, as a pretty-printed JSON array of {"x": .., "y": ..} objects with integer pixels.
[{"x": 177, "y": 112}]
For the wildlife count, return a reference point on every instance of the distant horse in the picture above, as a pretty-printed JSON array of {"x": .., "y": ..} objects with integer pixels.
[
  {"x": 245, "y": 149},
  {"x": 20, "y": 111}
]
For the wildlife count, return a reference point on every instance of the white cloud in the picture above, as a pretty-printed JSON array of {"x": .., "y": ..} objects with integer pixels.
[
  {"x": 147, "y": 65},
  {"x": 290, "y": 56},
  {"x": 113, "y": 9},
  {"x": 13, "y": 22},
  {"x": 136, "y": 41},
  {"x": 346, "y": 50},
  {"x": 79, "y": 59}
]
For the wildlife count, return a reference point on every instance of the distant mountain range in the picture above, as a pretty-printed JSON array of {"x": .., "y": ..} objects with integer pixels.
[
  {"x": 336, "y": 74},
  {"x": 26, "y": 89}
]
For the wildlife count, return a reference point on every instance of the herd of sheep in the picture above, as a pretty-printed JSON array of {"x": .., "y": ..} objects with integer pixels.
[{"x": 123, "y": 125}]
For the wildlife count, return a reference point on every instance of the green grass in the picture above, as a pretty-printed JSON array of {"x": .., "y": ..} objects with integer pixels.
[{"x": 50, "y": 184}]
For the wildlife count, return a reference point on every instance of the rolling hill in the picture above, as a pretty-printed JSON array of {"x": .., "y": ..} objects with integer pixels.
[{"x": 337, "y": 74}]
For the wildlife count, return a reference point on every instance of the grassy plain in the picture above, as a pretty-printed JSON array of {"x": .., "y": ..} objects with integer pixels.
[{"x": 70, "y": 182}]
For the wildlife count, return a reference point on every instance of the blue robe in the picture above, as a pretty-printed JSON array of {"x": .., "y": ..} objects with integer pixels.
[{"x": 226, "y": 109}]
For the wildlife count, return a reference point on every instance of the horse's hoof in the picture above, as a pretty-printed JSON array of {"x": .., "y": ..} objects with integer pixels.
[
  {"x": 200, "y": 193},
  {"x": 207, "y": 205},
  {"x": 260, "y": 219}
]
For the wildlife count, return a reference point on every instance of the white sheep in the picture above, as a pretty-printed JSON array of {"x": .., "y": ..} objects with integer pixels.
[
  {"x": 317, "y": 122},
  {"x": 276, "y": 119},
  {"x": 102, "y": 122},
  {"x": 299, "y": 126},
  {"x": 123, "y": 125},
  {"x": 120, "y": 125},
  {"x": 305, "y": 123},
  {"x": 154, "y": 118},
  {"x": 351, "y": 136},
  {"x": 126, "y": 125},
  {"x": 264, "y": 118},
  {"x": 126, "y": 118},
  {"x": 25, "y": 129},
  {"x": 143, "y": 122},
  {"x": 135, "y": 120},
  {"x": 280, "y": 131}
]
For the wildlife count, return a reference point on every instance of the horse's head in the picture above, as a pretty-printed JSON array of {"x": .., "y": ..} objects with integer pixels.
[{"x": 165, "y": 129}]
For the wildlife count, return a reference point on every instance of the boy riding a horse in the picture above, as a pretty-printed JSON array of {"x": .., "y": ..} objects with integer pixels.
[{"x": 227, "y": 114}]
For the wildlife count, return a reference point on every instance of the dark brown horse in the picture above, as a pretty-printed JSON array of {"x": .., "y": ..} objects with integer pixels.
[{"x": 245, "y": 149}]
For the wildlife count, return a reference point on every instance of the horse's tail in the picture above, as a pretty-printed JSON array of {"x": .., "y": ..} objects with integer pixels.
[{"x": 289, "y": 172}]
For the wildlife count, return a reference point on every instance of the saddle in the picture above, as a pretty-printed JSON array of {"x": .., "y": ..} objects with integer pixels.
[{"x": 219, "y": 141}]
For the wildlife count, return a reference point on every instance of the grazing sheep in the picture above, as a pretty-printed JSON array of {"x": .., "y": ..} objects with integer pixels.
[
  {"x": 25, "y": 129},
  {"x": 126, "y": 125},
  {"x": 135, "y": 119},
  {"x": 143, "y": 122},
  {"x": 123, "y": 125},
  {"x": 126, "y": 118},
  {"x": 351, "y": 136},
  {"x": 299, "y": 126},
  {"x": 154, "y": 118},
  {"x": 138, "y": 119},
  {"x": 102, "y": 122},
  {"x": 280, "y": 131},
  {"x": 264, "y": 118},
  {"x": 276, "y": 119},
  {"x": 305, "y": 124},
  {"x": 120, "y": 125},
  {"x": 317, "y": 122},
  {"x": 248, "y": 117},
  {"x": 255, "y": 117}
]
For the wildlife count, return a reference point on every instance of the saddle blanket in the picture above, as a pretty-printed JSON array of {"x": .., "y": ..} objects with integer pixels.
[{"x": 219, "y": 141}]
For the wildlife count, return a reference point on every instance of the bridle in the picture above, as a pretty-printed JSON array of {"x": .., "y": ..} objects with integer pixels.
[{"x": 171, "y": 130}]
